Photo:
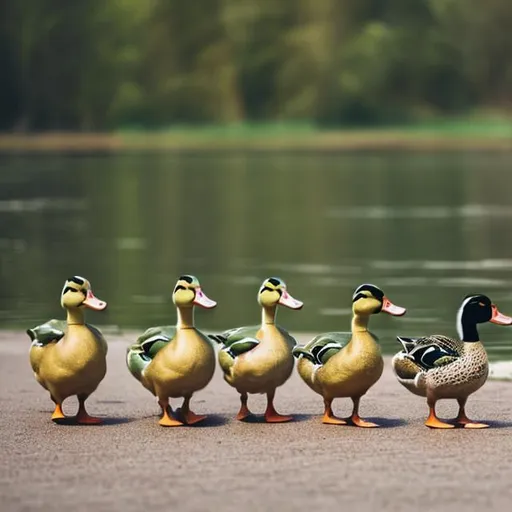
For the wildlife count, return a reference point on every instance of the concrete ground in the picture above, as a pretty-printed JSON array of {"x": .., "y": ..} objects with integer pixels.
[{"x": 131, "y": 463}]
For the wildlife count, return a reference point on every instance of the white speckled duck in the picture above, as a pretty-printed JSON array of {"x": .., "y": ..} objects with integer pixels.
[
  {"x": 69, "y": 356},
  {"x": 258, "y": 359},
  {"x": 176, "y": 361},
  {"x": 347, "y": 364},
  {"x": 439, "y": 367}
]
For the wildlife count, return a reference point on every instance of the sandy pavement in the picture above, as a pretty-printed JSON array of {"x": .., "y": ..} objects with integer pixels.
[{"x": 132, "y": 464}]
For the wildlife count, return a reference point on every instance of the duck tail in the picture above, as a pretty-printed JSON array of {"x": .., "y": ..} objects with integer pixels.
[
  {"x": 136, "y": 361},
  {"x": 409, "y": 374}
]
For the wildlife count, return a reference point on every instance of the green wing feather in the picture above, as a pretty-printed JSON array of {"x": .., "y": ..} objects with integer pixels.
[
  {"x": 156, "y": 338},
  {"x": 53, "y": 331},
  {"x": 147, "y": 346},
  {"x": 322, "y": 347},
  {"x": 237, "y": 341},
  {"x": 49, "y": 332},
  {"x": 227, "y": 338}
]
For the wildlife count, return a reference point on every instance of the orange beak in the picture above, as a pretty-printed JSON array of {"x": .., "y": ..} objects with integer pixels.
[
  {"x": 93, "y": 302},
  {"x": 391, "y": 309},
  {"x": 499, "y": 318}
]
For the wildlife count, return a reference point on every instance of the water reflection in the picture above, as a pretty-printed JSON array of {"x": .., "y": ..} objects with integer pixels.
[{"x": 428, "y": 229}]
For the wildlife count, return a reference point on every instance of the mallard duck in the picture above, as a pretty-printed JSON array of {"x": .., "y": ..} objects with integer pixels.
[
  {"x": 438, "y": 367},
  {"x": 69, "y": 356},
  {"x": 347, "y": 364},
  {"x": 176, "y": 361},
  {"x": 258, "y": 359}
]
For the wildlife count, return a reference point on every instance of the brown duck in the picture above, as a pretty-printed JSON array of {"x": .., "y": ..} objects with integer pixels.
[{"x": 439, "y": 367}]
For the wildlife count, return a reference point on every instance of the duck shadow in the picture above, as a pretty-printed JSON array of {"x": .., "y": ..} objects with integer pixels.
[
  {"x": 498, "y": 424},
  {"x": 211, "y": 420},
  {"x": 259, "y": 418},
  {"x": 387, "y": 422},
  {"x": 71, "y": 421}
]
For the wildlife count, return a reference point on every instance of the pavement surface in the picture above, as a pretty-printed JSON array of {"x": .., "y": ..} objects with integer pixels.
[{"x": 131, "y": 463}]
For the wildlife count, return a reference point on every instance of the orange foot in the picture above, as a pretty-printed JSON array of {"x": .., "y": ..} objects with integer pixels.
[
  {"x": 58, "y": 414},
  {"x": 358, "y": 422},
  {"x": 330, "y": 419},
  {"x": 168, "y": 421},
  {"x": 85, "y": 419},
  {"x": 192, "y": 418},
  {"x": 274, "y": 417},
  {"x": 243, "y": 413},
  {"x": 465, "y": 422},
  {"x": 434, "y": 422}
]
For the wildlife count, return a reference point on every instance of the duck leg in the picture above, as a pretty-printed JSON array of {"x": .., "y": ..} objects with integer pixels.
[
  {"x": 328, "y": 417},
  {"x": 190, "y": 417},
  {"x": 463, "y": 420},
  {"x": 83, "y": 418},
  {"x": 433, "y": 421},
  {"x": 244, "y": 411},
  {"x": 355, "y": 418},
  {"x": 271, "y": 415},
  {"x": 57, "y": 413},
  {"x": 167, "y": 419}
]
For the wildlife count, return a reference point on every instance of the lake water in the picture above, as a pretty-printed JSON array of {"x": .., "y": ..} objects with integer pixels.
[{"x": 427, "y": 228}]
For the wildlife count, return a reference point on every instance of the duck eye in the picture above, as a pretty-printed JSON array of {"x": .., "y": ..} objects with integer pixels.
[
  {"x": 179, "y": 287},
  {"x": 481, "y": 304}
]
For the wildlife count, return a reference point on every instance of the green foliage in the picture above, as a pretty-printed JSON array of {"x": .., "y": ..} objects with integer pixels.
[{"x": 105, "y": 64}]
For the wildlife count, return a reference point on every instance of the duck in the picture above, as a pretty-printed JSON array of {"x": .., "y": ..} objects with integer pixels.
[
  {"x": 439, "y": 367},
  {"x": 258, "y": 359},
  {"x": 68, "y": 357},
  {"x": 347, "y": 364},
  {"x": 176, "y": 361}
]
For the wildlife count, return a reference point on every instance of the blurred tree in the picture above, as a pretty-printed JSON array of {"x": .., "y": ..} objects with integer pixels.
[{"x": 101, "y": 64}]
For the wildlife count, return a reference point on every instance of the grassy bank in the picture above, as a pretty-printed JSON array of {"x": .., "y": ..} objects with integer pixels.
[{"x": 450, "y": 135}]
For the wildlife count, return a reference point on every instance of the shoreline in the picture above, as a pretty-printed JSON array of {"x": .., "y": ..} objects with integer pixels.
[{"x": 175, "y": 141}]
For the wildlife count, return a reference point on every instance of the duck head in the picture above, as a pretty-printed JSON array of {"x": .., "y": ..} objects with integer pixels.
[
  {"x": 188, "y": 293},
  {"x": 478, "y": 309},
  {"x": 273, "y": 292},
  {"x": 369, "y": 299},
  {"x": 77, "y": 293}
]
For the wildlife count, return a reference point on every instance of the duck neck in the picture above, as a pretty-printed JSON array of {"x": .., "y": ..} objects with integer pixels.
[
  {"x": 268, "y": 315},
  {"x": 185, "y": 318},
  {"x": 75, "y": 316},
  {"x": 467, "y": 330},
  {"x": 360, "y": 323}
]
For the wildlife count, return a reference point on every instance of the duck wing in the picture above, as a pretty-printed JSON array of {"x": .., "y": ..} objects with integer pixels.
[
  {"x": 237, "y": 341},
  {"x": 155, "y": 338},
  {"x": 322, "y": 347},
  {"x": 49, "y": 332},
  {"x": 433, "y": 351},
  {"x": 147, "y": 346}
]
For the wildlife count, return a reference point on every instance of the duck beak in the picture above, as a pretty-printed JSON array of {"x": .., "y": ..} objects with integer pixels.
[
  {"x": 389, "y": 307},
  {"x": 203, "y": 301},
  {"x": 288, "y": 301},
  {"x": 93, "y": 302},
  {"x": 499, "y": 318}
]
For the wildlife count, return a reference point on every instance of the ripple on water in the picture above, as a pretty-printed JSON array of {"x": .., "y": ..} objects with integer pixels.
[
  {"x": 382, "y": 212},
  {"x": 463, "y": 282},
  {"x": 486, "y": 264}
]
